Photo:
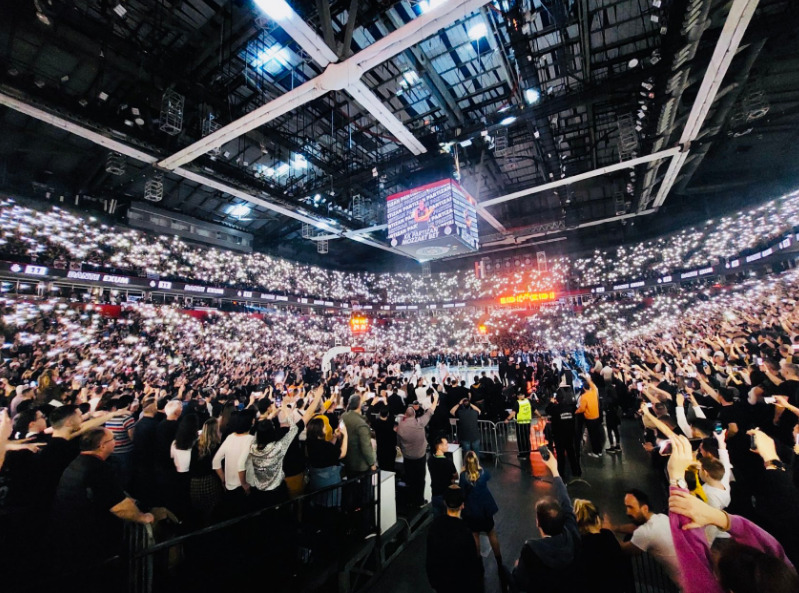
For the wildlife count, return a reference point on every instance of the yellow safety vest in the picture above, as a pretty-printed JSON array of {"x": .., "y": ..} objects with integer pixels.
[{"x": 525, "y": 414}]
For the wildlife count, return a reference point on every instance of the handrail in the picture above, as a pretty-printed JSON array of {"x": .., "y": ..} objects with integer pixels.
[{"x": 252, "y": 515}]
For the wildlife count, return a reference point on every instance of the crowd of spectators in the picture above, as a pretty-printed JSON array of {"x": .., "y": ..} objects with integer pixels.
[
  {"x": 56, "y": 236},
  {"x": 147, "y": 414},
  {"x": 164, "y": 415}
]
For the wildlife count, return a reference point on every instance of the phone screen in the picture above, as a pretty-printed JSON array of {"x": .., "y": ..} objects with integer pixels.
[{"x": 639, "y": 386}]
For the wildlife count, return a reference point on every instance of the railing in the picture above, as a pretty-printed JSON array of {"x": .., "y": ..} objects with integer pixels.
[
  {"x": 649, "y": 576},
  {"x": 328, "y": 536}
]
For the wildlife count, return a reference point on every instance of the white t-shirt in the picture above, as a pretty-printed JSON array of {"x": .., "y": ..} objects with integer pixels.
[
  {"x": 233, "y": 452},
  {"x": 181, "y": 457},
  {"x": 654, "y": 538}
]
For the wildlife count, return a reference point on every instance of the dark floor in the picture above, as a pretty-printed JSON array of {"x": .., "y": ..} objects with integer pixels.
[{"x": 516, "y": 492}]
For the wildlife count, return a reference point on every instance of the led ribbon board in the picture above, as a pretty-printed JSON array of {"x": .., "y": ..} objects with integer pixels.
[
  {"x": 528, "y": 298},
  {"x": 433, "y": 221}
]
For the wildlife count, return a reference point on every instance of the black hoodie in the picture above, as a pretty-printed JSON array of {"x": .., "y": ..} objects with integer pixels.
[{"x": 549, "y": 564}]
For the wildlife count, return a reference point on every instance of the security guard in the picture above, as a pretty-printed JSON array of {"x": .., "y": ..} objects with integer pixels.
[{"x": 523, "y": 412}]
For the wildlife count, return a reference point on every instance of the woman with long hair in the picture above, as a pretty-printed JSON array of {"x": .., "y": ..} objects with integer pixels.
[
  {"x": 180, "y": 452},
  {"x": 602, "y": 562},
  {"x": 480, "y": 506},
  {"x": 205, "y": 490}
]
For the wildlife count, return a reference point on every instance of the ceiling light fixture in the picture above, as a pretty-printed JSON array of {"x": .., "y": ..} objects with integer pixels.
[
  {"x": 478, "y": 31},
  {"x": 632, "y": 63},
  {"x": 508, "y": 120},
  {"x": 239, "y": 210},
  {"x": 532, "y": 96},
  {"x": 277, "y": 10},
  {"x": 428, "y": 5}
]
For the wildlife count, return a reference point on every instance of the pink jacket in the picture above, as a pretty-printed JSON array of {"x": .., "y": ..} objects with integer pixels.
[{"x": 693, "y": 550}]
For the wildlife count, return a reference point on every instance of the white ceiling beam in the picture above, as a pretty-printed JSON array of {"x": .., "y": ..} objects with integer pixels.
[
  {"x": 296, "y": 28},
  {"x": 372, "y": 103},
  {"x": 337, "y": 76},
  {"x": 738, "y": 19},
  {"x": 580, "y": 177},
  {"x": 78, "y": 130},
  {"x": 490, "y": 219},
  {"x": 297, "y": 97},
  {"x": 351, "y": 234}
]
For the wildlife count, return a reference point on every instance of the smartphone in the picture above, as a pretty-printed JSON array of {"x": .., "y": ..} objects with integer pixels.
[
  {"x": 545, "y": 453},
  {"x": 718, "y": 428},
  {"x": 752, "y": 443},
  {"x": 639, "y": 386},
  {"x": 759, "y": 360},
  {"x": 770, "y": 400},
  {"x": 665, "y": 447},
  {"x": 649, "y": 405}
]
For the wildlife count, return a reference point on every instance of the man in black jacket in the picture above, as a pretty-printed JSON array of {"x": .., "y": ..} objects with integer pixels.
[
  {"x": 549, "y": 564},
  {"x": 453, "y": 562}
]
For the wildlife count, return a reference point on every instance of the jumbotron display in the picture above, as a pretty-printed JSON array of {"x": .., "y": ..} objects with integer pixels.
[{"x": 433, "y": 221}]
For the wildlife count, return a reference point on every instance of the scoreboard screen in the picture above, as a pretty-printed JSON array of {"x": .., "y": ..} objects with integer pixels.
[
  {"x": 434, "y": 220},
  {"x": 359, "y": 324}
]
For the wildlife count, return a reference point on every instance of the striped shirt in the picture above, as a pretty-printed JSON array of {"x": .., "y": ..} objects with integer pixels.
[{"x": 119, "y": 426}]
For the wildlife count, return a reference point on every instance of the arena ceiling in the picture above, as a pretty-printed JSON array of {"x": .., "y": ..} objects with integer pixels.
[{"x": 314, "y": 111}]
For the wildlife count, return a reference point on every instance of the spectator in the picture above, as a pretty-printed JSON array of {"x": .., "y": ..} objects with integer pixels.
[
  {"x": 324, "y": 457},
  {"x": 755, "y": 563},
  {"x": 386, "y": 440},
  {"x": 602, "y": 565},
  {"x": 233, "y": 454},
  {"x": 551, "y": 563},
  {"x": 480, "y": 506},
  {"x": 453, "y": 562},
  {"x": 468, "y": 425},
  {"x": 261, "y": 470},
  {"x": 412, "y": 442},
  {"x": 442, "y": 472},
  {"x": 652, "y": 534},
  {"x": 205, "y": 491},
  {"x": 589, "y": 407},
  {"x": 360, "y": 457},
  {"x": 89, "y": 506}
]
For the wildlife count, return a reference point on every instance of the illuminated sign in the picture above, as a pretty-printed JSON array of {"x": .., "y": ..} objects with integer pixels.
[
  {"x": 527, "y": 297},
  {"x": 116, "y": 279},
  {"x": 359, "y": 324},
  {"x": 193, "y": 288},
  {"x": 83, "y": 276},
  {"x": 36, "y": 270}
]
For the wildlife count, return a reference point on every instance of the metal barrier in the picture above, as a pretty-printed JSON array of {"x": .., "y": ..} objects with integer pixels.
[
  {"x": 328, "y": 536},
  {"x": 499, "y": 438},
  {"x": 139, "y": 537},
  {"x": 649, "y": 576}
]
